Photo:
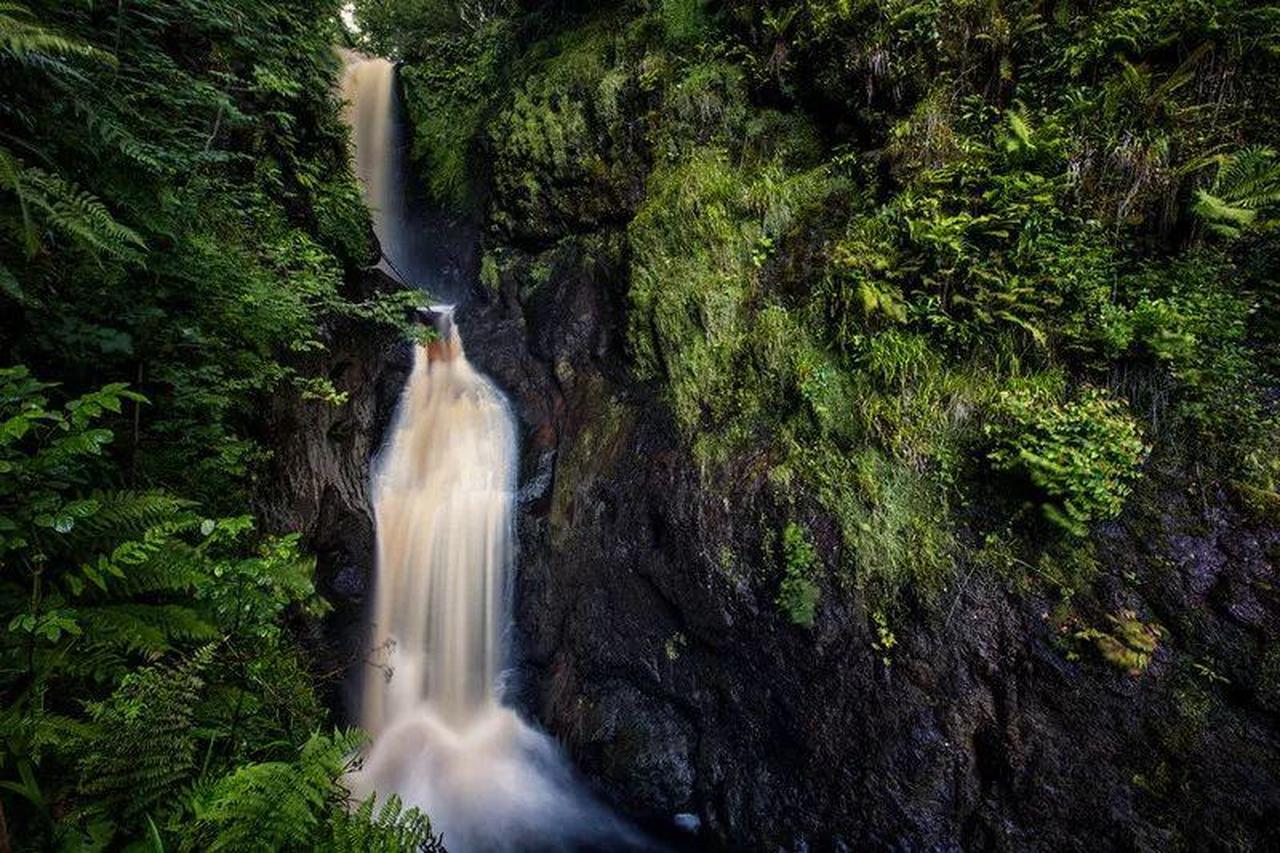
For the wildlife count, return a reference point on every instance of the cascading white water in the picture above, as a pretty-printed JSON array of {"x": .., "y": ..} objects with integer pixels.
[
  {"x": 442, "y": 503},
  {"x": 381, "y": 164},
  {"x": 443, "y": 493}
]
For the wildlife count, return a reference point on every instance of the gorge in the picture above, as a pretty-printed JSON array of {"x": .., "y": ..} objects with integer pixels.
[{"x": 708, "y": 424}]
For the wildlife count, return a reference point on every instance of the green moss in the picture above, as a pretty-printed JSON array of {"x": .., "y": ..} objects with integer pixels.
[
  {"x": 1069, "y": 565},
  {"x": 564, "y": 157},
  {"x": 894, "y": 520},
  {"x": 684, "y": 20},
  {"x": 916, "y": 406},
  {"x": 592, "y": 453},
  {"x": 799, "y": 593},
  {"x": 1268, "y": 690},
  {"x": 490, "y": 274},
  {"x": 1190, "y": 317},
  {"x": 698, "y": 245}
]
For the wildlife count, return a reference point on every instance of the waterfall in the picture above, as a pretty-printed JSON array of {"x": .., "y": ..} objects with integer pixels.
[
  {"x": 442, "y": 503},
  {"x": 443, "y": 493},
  {"x": 382, "y": 165}
]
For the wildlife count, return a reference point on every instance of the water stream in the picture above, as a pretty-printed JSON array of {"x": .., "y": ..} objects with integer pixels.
[{"x": 443, "y": 493}]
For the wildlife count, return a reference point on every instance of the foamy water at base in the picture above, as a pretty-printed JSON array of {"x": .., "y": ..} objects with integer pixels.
[{"x": 493, "y": 784}]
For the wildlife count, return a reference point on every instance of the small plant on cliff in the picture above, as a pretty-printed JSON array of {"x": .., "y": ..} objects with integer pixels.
[
  {"x": 1081, "y": 457},
  {"x": 885, "y": 639},
  {"x": 798, "y": 595},
  {"x": 1129, "y": 644},
  {"x": 1247, "y": 184}
]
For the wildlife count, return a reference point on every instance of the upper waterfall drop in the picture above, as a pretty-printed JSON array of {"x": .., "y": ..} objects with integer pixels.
[
  {"x": 419, "y": 248},
  {"x": 444, "y": 497}
]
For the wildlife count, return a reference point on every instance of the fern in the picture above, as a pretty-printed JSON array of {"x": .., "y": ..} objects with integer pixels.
[
  {"x": 87, "y": 661},
  {"x": 275, "y": 805},
  {"x": 390, "y": 829},
  {"x": 37, "y": 730},
  {"x": 30, "y": 43},
  {"x": 147, "y": 745},
  {"x": 128, "y": 513},
  {"x": 301, "y": 805},
  {"x": 69, "y": 209},
  {"x": 149, "y": 629},
  {"x": 1246, "y": 186},
  {"x": 157, "y": 560},
  {"x": 177, "y": 571}
]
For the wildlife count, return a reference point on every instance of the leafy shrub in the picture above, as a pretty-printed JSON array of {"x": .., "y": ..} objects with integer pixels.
[
  {"x": 209, "y": 247},
  {"x": 1082, "y": 456},
  {"x": 564, "y": 161}
]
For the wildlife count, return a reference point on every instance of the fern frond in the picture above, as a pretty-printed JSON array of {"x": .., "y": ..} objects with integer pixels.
[
  {"x": 80, "y": 215},
  {"x": 391, "y": 829},
  {"x": 276, "y": 805},
  {"x": 66, "y": 207},
  {"x": 27, "y": 41},
  {"x": 125, "y": 514},
  {"x": 1246, "y": 186},
  {"x": 12, "y": 288},
  {"x": 11, "y": 173},
  {"x": 146, "y": 746},
  {"x": 99, "y": 663},
  {"x": 1222, "y": 217},
  {"x": 116, "y": 134},
  {"x": 1250, "y": 179},
  {"x": 157, "y": 561},
  {"x": 172, "y": 571},
  {"x": 33, "y": 731},
  {"x": 149, "y": 629}
]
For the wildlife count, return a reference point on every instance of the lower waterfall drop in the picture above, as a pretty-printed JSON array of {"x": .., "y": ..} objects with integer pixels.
[{"x": 443, "y": 497}]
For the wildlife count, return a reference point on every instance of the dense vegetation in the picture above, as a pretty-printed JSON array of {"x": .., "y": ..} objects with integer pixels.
[
  {"x": 178, "y": 228},
  {"x": 969, "y": 272}
]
